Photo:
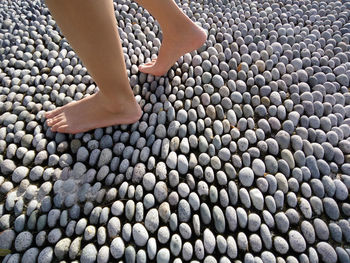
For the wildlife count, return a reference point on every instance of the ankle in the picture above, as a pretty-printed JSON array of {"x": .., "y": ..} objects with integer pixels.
[
  {"x": 186, "y": 35},
  {"x": 116, "y": 102},
  {"x": 182, "y": 27}
]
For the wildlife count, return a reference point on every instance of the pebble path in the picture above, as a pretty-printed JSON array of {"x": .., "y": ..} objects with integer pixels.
[{"x": 242, "y": 153}]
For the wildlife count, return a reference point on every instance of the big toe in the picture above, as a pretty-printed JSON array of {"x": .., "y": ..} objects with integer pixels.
[
  {"x": 154, "y": 69},
  {"x": 145, "y": 69},
  {"x": 53, "y": 113},
  {"x": 147, "y": 65}
]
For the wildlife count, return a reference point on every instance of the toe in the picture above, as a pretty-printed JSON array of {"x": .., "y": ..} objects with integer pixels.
[
  {"x": 55, "y": 119},
  {"x": 150, "y": 63},
  {"x": 63, "y": 129},
  {"x": 154, "y": 69},
  {"x": 49, "y": 122},
  {"x": 53, "y": 113},
  {"x": 147, "y": 65},
  {"x": 48, "y": 114},
  {"x": 57, "y": 125},
  {"x": 146, "y": 70}
]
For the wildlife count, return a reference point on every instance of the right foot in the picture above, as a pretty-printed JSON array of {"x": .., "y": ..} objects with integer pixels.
[
  {"x": 93, "y": 112},
  {"x": 173, "y": 47}
]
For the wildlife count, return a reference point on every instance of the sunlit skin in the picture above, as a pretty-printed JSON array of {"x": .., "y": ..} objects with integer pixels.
[{"x": 91, "y": 28}]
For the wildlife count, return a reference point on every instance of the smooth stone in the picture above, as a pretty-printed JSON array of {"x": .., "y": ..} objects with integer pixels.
[
  {"x": 219, "y": 219},
  {"x": 62, "y": 248},
  {"x": 246, "y": 176},
  {"x": 140, "y": 234},
  {"x": 209, "y": 241},
  {"x": 117, "y": 248},
  {"x": 296, "y": 241},
  {"x": 46, "y": 255},
  {"x": 327, "y": 252},
  {"x": 6, "y": 238},
  {"x": 257, "y": 198},
  {"x": 23, "y": 241},
  {"x": 163, "y": 255},
  {"x": 88, "y": 254},
  {"x": 331, "y": 208}
]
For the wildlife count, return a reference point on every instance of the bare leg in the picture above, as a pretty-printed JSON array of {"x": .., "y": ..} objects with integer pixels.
[
  {"x": 180, "y": 35},
  {"x": 91, "y": 28}
]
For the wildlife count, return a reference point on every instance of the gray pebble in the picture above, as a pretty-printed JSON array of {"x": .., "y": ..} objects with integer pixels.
[
  {"x": 140, "y": 234},
  {"x": 296, "y": 241},
  {"x": 88, "y": 254},
  {"x": 326, "y": 252},
  {"x": 117, "y": 248}
]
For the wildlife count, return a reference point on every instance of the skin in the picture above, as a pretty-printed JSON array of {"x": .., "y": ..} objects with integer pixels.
[
  {"x": 181, "y": 35},
  {"x": 90, "y": 27}
]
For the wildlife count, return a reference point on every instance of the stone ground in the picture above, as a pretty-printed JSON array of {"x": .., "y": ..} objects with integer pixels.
[{"x": 242, "y": 153}]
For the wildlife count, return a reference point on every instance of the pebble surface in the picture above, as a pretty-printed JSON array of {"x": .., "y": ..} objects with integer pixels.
[{"x": 241, "y": 155}]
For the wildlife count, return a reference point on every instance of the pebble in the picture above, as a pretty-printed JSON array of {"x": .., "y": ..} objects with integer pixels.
[
  {"x": 281, "y": 245},
  {"x": 19, "y": 174},
  {"x": 321, "y": 229},
  {"x": 282, "y": 222},
  {"x": 117, "y": 248},
  {"x": 152, "y": 248},
  {"x": 140, "y": 234},
  {"x": 184, "y": 211},
  {"x": 219, "y": 219},
  {"x": 308, "y": 232},
  {"x": 175, "y": 245},
  {"x": 88, "y": 253},
  {"x": 62, "y": 248},
  {"x": 30, "y": 255},
  {"x": 163, "y": 255},
  {"x": 258, "y": 167},
  {"x": 103, "y": 254},
  {"x": 327, "y": 252},
  {"x": 6, "y": 238},
  {"x": 152, "y": 220},
  {"x": 331, "y": 208},
  {"x": 148, "y": 181},
  {"x": 46, "y": 255},
  {"x": 257, "y": 198},
  {"x": 7, "y": 167},
  {"x": 130, "y": 254},
  {"x": 267, "y": 256},
  {"x": 296, "y": 241},
  {"x": 209, "y": 241},
  {"x": 335, "y": 232},
  {"x": 246, "y": 176},
  {"x": 160, "y": 191},
  {"x": 23, "y": 241}
]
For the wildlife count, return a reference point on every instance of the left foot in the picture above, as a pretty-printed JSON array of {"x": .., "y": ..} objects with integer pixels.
[
  {"x": 93, "y": 112},
  {"x": 175, "y": 45}
]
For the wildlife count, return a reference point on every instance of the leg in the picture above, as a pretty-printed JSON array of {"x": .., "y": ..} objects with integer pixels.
[
  {"x": 91, "y": 28},
  {"x": 180, "y": 35}
]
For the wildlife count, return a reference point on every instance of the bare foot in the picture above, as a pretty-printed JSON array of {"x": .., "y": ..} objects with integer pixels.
[
  {"x": 173, "y": 47},
  {"x": 92, "y": 112}
]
